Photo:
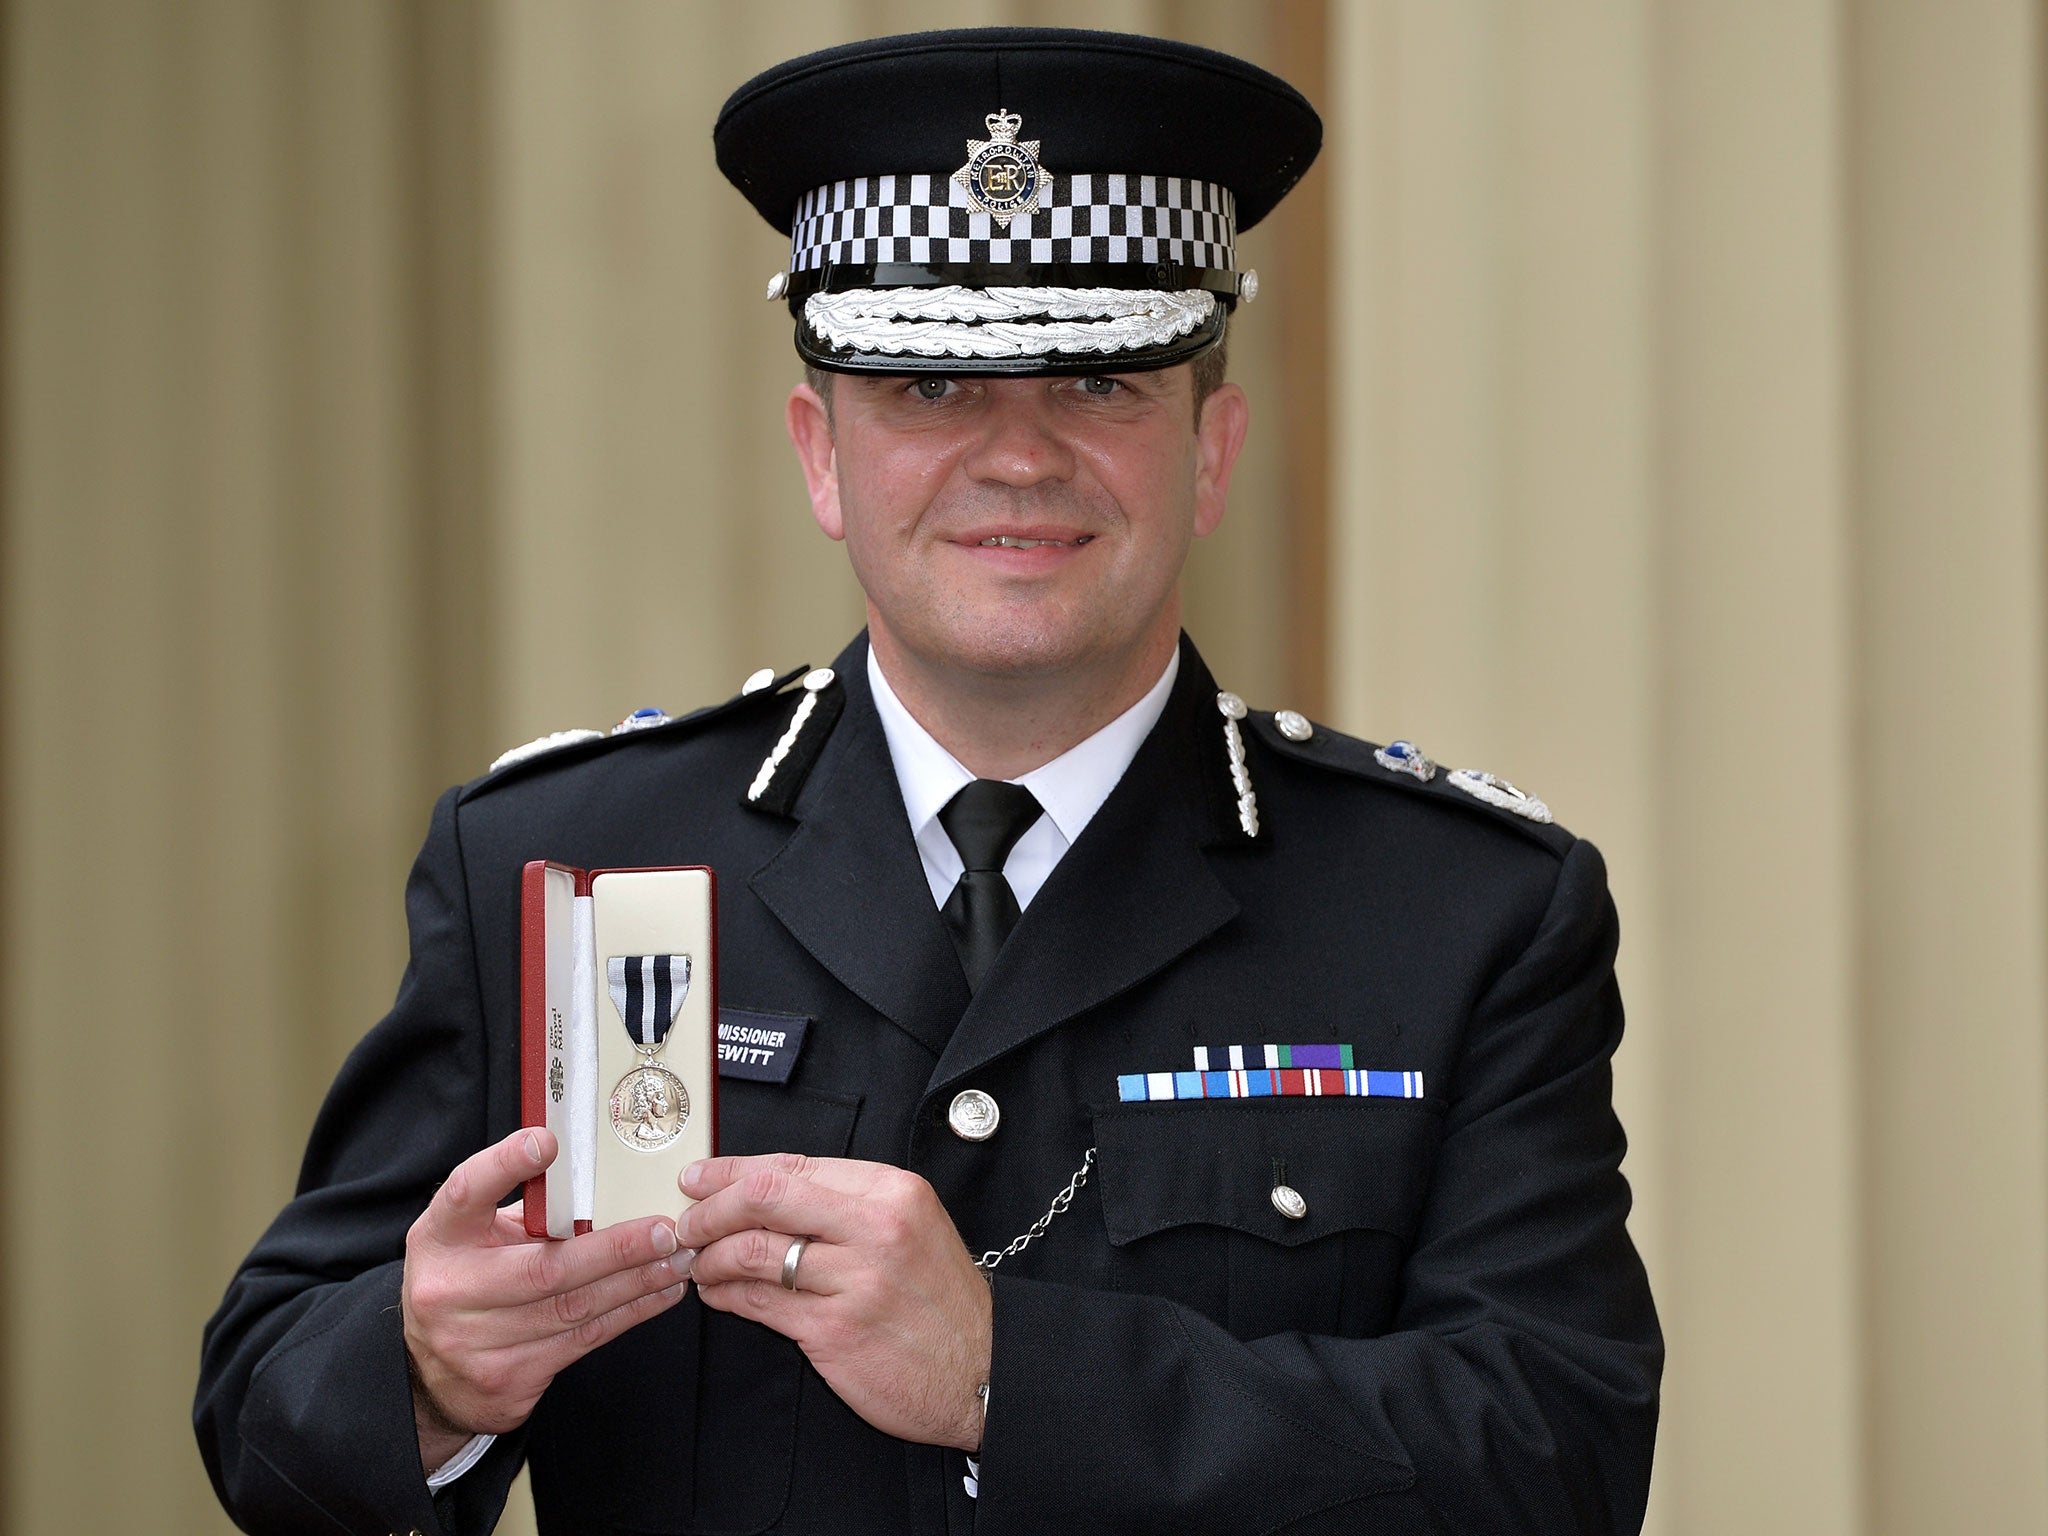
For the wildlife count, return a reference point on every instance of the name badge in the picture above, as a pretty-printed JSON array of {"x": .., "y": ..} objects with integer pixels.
[{"x": 760, "y": 1047}]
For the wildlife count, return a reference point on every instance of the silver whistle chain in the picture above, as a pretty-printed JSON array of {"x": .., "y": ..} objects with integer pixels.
[{"x": 988, "y": 1261}]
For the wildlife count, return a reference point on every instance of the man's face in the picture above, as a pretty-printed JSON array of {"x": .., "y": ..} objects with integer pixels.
[{"x": 1019, "y": 526}]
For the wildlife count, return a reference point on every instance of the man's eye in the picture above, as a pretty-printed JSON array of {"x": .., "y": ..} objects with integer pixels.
[
  {"x": 1096, "y": 384},
  {"x": 934, "y": 388}
]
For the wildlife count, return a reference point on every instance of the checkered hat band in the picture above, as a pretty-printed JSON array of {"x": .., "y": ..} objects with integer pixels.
[{"x": 878, "y": 220}]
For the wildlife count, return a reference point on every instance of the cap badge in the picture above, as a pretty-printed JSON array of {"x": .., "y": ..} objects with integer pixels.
[{"x": 1002, "y": 174}]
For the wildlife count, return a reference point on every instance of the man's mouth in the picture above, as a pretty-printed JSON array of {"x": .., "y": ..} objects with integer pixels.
[{"x": 1007, "y": 541}]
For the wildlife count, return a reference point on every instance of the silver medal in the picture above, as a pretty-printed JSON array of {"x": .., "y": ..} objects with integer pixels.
[{"x": 649, "y": 1106}]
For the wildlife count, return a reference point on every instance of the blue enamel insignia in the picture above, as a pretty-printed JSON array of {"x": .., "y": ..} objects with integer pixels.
[
  {"x": 1405, "y": 757},
  {"x": 641, "y": 720}
]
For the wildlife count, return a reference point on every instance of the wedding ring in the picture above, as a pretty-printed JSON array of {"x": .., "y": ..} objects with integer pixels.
[{"x": 791, "y": 1259}]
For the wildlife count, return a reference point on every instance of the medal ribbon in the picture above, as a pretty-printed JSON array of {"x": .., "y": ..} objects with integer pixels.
[{"x": 648, "y": 991}]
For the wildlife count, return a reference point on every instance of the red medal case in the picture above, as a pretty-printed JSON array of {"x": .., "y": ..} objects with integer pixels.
[{"x": 621, "y": 1151}]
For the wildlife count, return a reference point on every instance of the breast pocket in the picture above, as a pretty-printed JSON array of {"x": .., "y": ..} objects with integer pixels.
[
  {"x": 688, "y": 1422},
  {"x": 1188, "y": 1200}
]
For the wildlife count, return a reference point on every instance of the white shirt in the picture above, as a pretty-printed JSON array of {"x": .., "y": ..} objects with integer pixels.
[
  {"x": 459, "y": 1463},
  {"x": 1071, "y": 787}
]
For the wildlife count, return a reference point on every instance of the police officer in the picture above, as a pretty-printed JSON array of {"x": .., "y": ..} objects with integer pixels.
[{"x": 1179, "y": 1117}]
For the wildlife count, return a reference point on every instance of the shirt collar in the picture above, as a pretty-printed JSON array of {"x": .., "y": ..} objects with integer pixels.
[{"x": 1071, "y": 787}]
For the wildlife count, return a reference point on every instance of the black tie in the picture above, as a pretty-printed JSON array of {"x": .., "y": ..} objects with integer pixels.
[{"x": 984, "y": 821}]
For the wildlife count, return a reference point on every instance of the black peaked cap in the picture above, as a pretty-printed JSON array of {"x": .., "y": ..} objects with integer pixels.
[{"x": 1098, "y": 101}]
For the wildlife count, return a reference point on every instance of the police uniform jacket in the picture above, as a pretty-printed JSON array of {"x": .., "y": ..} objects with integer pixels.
[{"x": 1456, "y": 1335}]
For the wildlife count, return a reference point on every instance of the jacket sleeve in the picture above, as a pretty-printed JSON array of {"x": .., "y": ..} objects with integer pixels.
[
  {"x": 304, "y": 1409},
  {"x": 1516, "y": 1389}
]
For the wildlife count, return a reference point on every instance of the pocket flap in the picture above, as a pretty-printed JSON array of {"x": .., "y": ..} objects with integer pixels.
[{"x": 1355, "y": 1162}]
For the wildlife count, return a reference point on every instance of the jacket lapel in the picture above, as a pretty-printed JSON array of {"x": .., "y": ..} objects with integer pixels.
[
  {"x": 849, "y": 886},
  {"x": 1132, "y": 895}
]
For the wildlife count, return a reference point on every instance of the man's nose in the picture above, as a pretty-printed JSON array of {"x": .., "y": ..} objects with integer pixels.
[{"x": 1019, "y": 443}]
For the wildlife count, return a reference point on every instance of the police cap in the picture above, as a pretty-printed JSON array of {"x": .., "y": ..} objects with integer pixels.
[{"x": 1019, "y": 200}]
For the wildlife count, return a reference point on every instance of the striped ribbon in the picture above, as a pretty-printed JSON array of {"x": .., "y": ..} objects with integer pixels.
[
  {"x": 1237, "y": 1058},
  {"x": 1269, "y": 1082},
  {"x": 648, "y": 991}
]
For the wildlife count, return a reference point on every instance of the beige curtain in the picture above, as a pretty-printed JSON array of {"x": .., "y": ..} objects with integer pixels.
[
  {"x": 1690, "y": 439},
  {"x": 1648, "y": 406},
  {"x": 233, "y": 669}
]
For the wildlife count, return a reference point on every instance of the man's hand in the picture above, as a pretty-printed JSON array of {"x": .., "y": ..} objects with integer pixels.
[
  {"x": 888, "y": 1306},
  {"x": 492, "y": 1315}
]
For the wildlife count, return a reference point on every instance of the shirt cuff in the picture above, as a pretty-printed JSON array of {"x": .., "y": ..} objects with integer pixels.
[{"x": 459, "y": 1463}]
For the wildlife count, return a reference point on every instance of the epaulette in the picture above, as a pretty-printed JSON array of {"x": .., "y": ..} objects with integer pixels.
[
  {"x": 563, "y": 747},
  {"x": 789, "y": 762},
  {"x": 1402, "y": 765}
]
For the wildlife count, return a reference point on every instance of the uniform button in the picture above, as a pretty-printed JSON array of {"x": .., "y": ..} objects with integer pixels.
[
  {"x": 1294, "y": 725},
  {"x": 973, "y": 1115},
  {"x": 1288, "y": 1202},
  {"x": 758, "y": 680}
]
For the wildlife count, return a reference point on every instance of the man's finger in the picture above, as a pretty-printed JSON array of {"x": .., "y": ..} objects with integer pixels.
[
  {"x": 517, "y": 1275},
  {"x": 759, "y": 1301},
  {"x": 759, "y": 1255},
  {"x": 562, "y": 1350},
  {"x": 571, "y": 1310},
  {"x": 848, "y": 1175},
  {"x": 776, "y": 1198},
  {"x": 465, "y": 1208}
]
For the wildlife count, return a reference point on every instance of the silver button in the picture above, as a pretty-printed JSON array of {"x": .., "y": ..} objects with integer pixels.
[
  {"x": 1294, "y": 726},
  {"x": 1288, "y": 1202},
  {"x": 817, "y": 678},
  {"x": 758, "y": 680},
  {"x": 973, "y": 1115},
  {"x": 1231, "y": 706}
]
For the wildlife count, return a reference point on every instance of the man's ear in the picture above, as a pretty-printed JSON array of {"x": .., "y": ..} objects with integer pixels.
[
  {"x": 1219, "y": 435},
  {"x": 810, "y": 433}
]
